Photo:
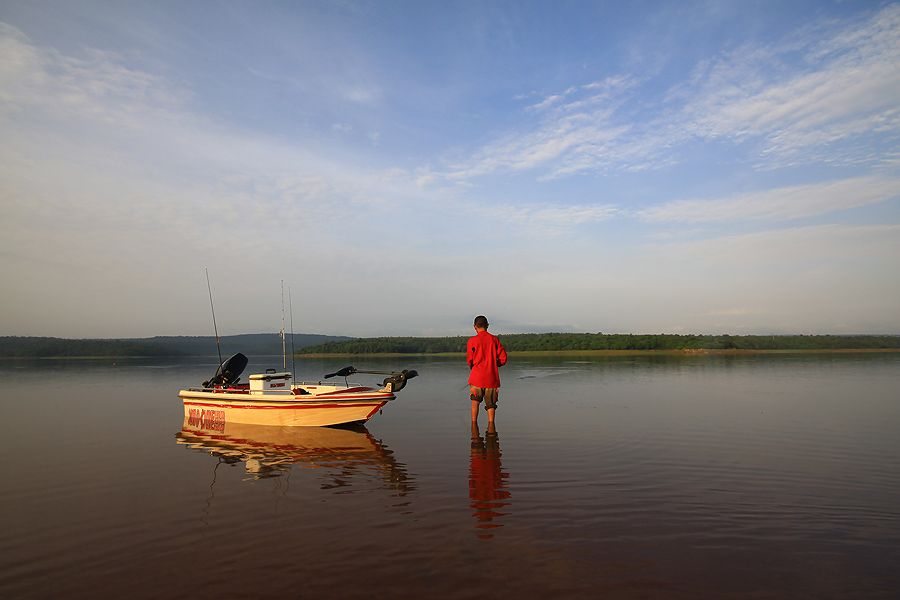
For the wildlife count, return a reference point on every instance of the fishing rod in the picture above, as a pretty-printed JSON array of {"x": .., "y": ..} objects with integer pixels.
[
  {"x": 283, "y": 352},
  {"x": 291, "y": 306},
  {"x": 215, "y": 328}
]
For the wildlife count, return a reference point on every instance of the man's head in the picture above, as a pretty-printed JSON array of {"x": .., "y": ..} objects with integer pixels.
[{"x": 481, "y": 322}]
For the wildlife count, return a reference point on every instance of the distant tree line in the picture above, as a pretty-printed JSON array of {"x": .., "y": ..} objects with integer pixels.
[
  {"x": 270, "y": 344},
  {"x": 555, "y": 342},
  {"x": 391, "y": 345}
]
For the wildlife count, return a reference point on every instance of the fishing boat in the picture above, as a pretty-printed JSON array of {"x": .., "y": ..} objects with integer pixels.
[{"x": 273, "y": 398}]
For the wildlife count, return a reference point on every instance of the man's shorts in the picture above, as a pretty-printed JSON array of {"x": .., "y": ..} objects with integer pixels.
[{"x": 489, "y": 395}]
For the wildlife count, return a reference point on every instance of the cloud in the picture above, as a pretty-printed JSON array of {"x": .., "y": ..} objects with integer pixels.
[
  {"x": 846, "y": 84},
  {"x": 41, "y": 83},
  {"x": 127, "y": 138},
  {"x": 781, "y": 204},
  {"x": 836, "y": 103},
  {"x": 574, "y": 125}
]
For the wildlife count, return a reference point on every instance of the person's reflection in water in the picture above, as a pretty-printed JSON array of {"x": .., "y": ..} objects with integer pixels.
[{"x": 487, "y": 481}]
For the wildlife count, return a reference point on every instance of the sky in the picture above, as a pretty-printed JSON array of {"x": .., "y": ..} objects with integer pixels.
[{"x": 397, "y": 168}]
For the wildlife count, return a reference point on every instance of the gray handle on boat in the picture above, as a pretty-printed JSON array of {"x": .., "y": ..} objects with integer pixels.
[
  {"x": 347, "y": 371},
  {"x": 394, "y": 383}
]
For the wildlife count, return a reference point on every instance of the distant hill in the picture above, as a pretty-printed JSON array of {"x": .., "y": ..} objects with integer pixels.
[
  {"x": 254, "y": 344},
  {"x": 251, "y": 344},
  {"x": 47, "y": 347}
]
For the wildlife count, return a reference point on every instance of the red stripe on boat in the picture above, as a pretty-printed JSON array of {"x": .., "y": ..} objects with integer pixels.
[{"x": 379, "y": 403}]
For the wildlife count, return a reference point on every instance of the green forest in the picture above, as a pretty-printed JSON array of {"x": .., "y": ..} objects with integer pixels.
[{"x": 558, "y": 342}]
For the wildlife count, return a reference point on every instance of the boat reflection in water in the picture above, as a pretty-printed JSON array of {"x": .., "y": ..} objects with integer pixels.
[
  {"x": 269, "y": 451},
  {"x": 487, "y": 481}
]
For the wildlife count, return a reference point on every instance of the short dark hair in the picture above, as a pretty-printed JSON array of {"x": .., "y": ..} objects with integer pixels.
[{"x": 481, "y": 322}]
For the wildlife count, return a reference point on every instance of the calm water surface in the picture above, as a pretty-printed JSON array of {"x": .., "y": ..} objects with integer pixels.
[{"x": 627, "y": 477}]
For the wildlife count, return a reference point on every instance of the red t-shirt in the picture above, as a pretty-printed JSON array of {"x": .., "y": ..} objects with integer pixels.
[{"x": 485, "y": 355}]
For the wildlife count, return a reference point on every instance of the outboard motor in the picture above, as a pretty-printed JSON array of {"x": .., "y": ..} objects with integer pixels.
[{"x": 228, "y": 372}]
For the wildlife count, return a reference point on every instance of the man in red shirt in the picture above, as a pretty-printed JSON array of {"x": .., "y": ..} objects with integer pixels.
[{"x": 485, "y": 355}]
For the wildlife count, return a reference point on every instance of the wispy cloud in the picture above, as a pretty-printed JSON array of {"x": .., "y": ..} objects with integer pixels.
[
  {"x": 574, "y": 126},
  {"x": 108, "y": 126},
  {"x": 98, "y": 88},
  {"x": 783, "y": 203},
  {"x": 844, "y": 85}
]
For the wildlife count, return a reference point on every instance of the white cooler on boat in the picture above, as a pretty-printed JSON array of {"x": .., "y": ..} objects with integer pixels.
[{"x": 270, "y": 382}]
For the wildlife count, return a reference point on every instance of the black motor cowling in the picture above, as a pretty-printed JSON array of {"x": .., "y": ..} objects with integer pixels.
[{"x": 229, "y": 371}]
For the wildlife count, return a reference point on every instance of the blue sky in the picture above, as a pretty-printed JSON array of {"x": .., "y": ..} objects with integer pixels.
[{"x": 643, "y": 167}]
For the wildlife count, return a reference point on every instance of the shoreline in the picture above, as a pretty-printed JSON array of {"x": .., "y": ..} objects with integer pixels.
[{"x": 691, "y": 352}]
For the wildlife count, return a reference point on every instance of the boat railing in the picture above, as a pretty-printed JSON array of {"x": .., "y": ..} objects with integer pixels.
[
  {"x": 243, "y": 391},
  {"x": 328, "y": 383},
  {"x": 295, "y": 385}
]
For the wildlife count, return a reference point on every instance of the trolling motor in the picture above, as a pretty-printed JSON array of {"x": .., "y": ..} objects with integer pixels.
[
  {"x": 394, "y": 383},
  {"x": 228, "y": 372}
]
